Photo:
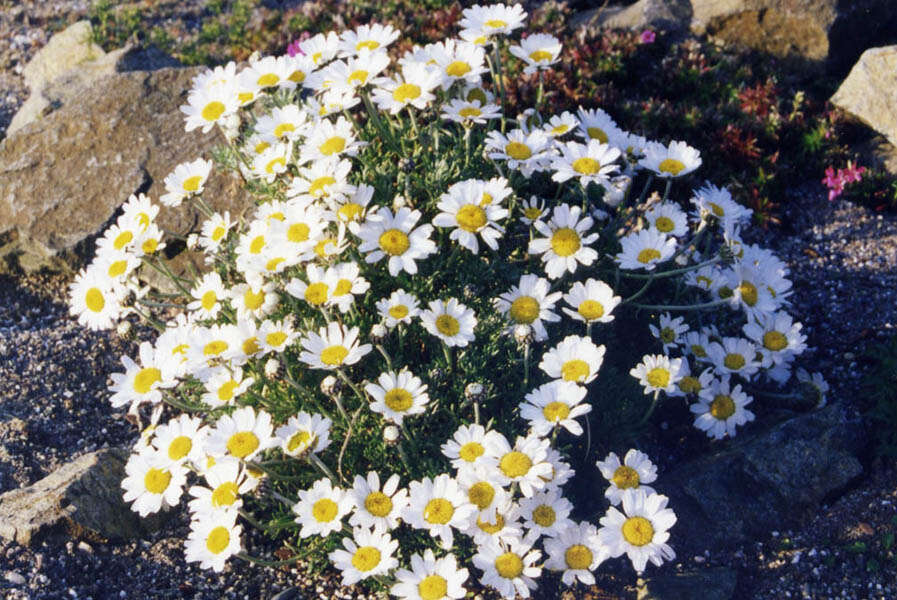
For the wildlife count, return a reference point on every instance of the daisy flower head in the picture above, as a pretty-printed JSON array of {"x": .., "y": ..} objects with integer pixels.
[
  {"x": 545, "y": 513},
  {"x": 675, "y": 160},
  {"x": 211, "y": 346},
  {"x": 220, "y": 75},
  {"x": 555, "y": 404},
  {"x": 303, "y": 433},
  {"x": 320, "y": 510},
  {"x": 276, "y": 336},
  {"x": 640, "y": 531},
  {"x": 533, "y": 210},
  {"x": 207, "y": 296},
  {"x": 398, "y": 395},
  {"x": 575, "y": 359},
  {"x": 591, "y": 302},
  {"x": 394, "y": 236},
  {"x": 430, "y": 579},
  {"x": 576, "y": 551},
  {"x": 288, "y": 123},
  {"x": 524, "y": 464},
  {"x": 254, "y": 299},
  {"x": 330, "y": 140},
  {"x": 468, "y": 113},
  {"x": 271, "y": 163},
  {"x": 712, "y": 202},
  {"x": 632, "y": 474},
  {"x": 645, "y": 249},
  {"x": 592, "y": 163},
  {"x": 353, "y": 208},
  {"x": 95, "y": 300},
  {"x": 692, "y": 383},
  {"x": 750, "y": 288},
  {"x": 180, "y": 440},
  {"x": 463, "y": 211},
  {"x": 458, "y": 61},
  {"x": 438, "y": 505},
  {"x": 667, "y": 218},
  {"x": 377, "y": 506},
  {"x": 658, "y": 373},
  {"x": 212, "y": 540},
  {"x": 351, "y": 74},
  {"x": 348, "y": 284},
  {"x": 414, "y": 87},
  {"x": 529, "y": 303},
  {"x": 509, "y": 566},
  {"x": 467, "y": 447},
  {"x": 322, "y": 179},
  {"x": 669, "y": 331},
  {"x": 523, "y": 151},
  {"x": 495, "y": 19},
  {"x": 777, "y": 336},
  {"x": 187, "y": 179},
  {"x": 332, "y": 347},
  {"x": 152, "y": 482},
  {"x": 817, "y": 382},
  {"x": 485, "y": 492},
  {"x": 117, "y": 265},
  {"x": 504, "y": 524},
  {"x": 298, "y": 67},
  {"x": 368, "y": 553},
  {"x": 321, "y": 48},
  {"x": 450, "y": 321},
  {"x": 368, "y": 37},
  {"x": 224, "y": 385},
  {"x": 539, "y": 51},
  {"x": 268, "y": 72},
  {"x": 207, "y": 106},
  {"x": 400, "y": 307},
  {"x": 143, "y": 382},
  {"x": 566, "y": 241},
  {"x": 734, "y": 355},
  {"x": 225, "y": 482},
  {"x": 242, "y": 434},
  {"x": 597, "y": 125},
  {"x": 721, "y": 408},
  {"x": 214, "y": 231},
  {"x": 560, "y": 125}
]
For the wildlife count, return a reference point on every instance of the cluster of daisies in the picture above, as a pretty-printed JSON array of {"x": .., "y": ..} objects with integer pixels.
[{"x": 285, "y": 286}]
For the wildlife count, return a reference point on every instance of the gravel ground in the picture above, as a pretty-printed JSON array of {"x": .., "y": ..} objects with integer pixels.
[{"x": 53, "y": 408}]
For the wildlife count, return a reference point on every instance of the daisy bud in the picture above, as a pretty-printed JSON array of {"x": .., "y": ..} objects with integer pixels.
[
  {"x": 125, "y": 330},
  {"x": 436, "y": 375},
  {"x": 391, "y": 434},
  {"x": 474, "y": 391},
  {"x": 406, "y": 165},
  {"x": 230, "y": 126},
  {"x": 331, "y": 386},
  {"x": 399, "y": 201},
  {"x": 378, "y": 333},
  {"x": 523, "y": 334},
  {"x": 192, "y": 241},
  {"x": 272, "y": 368},
  {"x": 616, "y": 191}
]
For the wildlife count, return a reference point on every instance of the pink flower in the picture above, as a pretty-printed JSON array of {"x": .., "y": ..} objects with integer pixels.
[
  {"x": 647, "y": 36},
  {"x": 293, "y": 49},
  {"x": 831, "y": 179},
  {"x": 835, "y": 181}
]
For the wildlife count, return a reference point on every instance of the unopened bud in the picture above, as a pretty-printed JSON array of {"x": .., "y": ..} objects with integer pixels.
[
  {"x": 474, "y": 391},
  {"x": 272, "y": 368},
  {"x": 331, "y": 386},
  {"x": 378, "y": 333},
  {"x": 523, "y": 334},
  {"x": 192, "y": 241},
  {"x": 390, "y": 434},
  {"x": 125, "y": 330}
]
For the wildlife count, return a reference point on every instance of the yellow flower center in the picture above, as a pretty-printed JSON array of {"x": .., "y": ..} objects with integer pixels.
[
  {"x": 334, "y": 355},
  {"x": 316, "y": 293},
  {"x": 253, "y": 300},
  {"x": 378, "y": 504},
  {"x": 698, "y": 350},
  {"x": 586, "y": 166},
  {"x": 191, "y": 184},
  {"x": 251, "y": 346},
  {"x": 406, "y": 93},
  {"x": 596, "y": 133},
  {"x": 343, "y": 287},
  {"x": 218, "y": 540},
  {"x": 438, "y": 511},
  {"x": 214, "y": 348},
  {"x": 179, "y": 447},
  {"x": 297, "y": 76},
  {"x": 578, "y": 557},
  {"x": 122, "y": 239},
  {"x": 775, "y": 341},
  {"x": 486, "y": 200},
  {"x": 145, "y": 378},
  {"x": 481, "y": 493},
  {"x": 398, "y": 400},
  {"x": 332, "y": 146},
  {"x": 515, "y": 464},
  {"x": 156, "y": 480},
  {"x": 432, "y": 587},
  {"x": 458, "y": 68},
  {"x": 149, "y": 246},
  {"x": 470, "y": 111},
  {"x": 565, "y": 242},
  {"x": 321, "y": 248},
  {"x": 366, "y": 558},
  {"x": 268, "y": 79},
  {"x": 284, "y": 128},
  {"x": 722, "y": 407},
  {"x": 245, "y": 97},
  {"x": 575, "y": 370},
  {"x": 667, "y": 335},
  {"x": 242, "y": 444},
  {"x": 225, "y": 494},
  {"x": 648, "y": 255},
  {"x": 319, "y": 185},
  {"x": 509, "y": 565},
  {"x": 491, "y": 528},
  {"x": 544, "y": 516},
  {"x": 276, "y": 338},
  {"x": 625, "y": 478},
  {"x": 471, "y": 451},
  {"x": 671, "y": 165},
  {"x": 477, "y": 94},
  {"x": 748, "y": 292},
  {"x": 94, "y": 299},
  {"x": 690, "y": 385},
  {"x": 518, "y": 151},
  {"x": 257, "y": 244},
  {"x": 734, "y": 361},
  {"x": 664, "y": 224},
  {"x": 525, "y": 309},
  {"x": 369, "y": 44},
  {"x": 495, "y": 24},
  {"x": 638, "y": 531},
  {"x": 658, "y": 377},
  {"x": 358, "y": 77},
  {"x": 591, "y": 310},
  {"x": 447, "y": 325},
  {"x": 555, "y": 411},
  {"x": 218, "y": 233},
  {"x": 394, "y": 242},
  {"x": 532, "y": 213},
  {"x": 209, "y": 299},
  {"x": 213, "y": 111},
  {"x": 324, "y": 510},
  {"x": 717, "y": 210},
  {"x": 471, "y": 217},
  {"x": 350, "y": 211},
  {"x": 398, "y": 312},
  {"x": 226, "y": 391},
  {"x": 117, "y": 268},
  {"x": 299, "y": 441},
  {"x": 273, "y": 165},
  {"x": 298, "y": 232},
  {"x": 541, "y": 56}
]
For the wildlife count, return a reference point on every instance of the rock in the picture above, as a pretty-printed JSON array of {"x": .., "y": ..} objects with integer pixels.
[
  {"x": 84, "y": 496},
  {"x": 765, "y": 481},
  {"x": 64, "y": 51},
  {"x": 878, "y": 153},
  {"x": 63, "y": 177},
  {"x": 15, "y": 578},
  {"x": 870, "y": 91},
  {"x": 714, "y": 584},
  {"x": 668, "y": 15}
]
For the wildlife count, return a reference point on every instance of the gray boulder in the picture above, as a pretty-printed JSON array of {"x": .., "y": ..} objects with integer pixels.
[{"x": 870, "y": 91}]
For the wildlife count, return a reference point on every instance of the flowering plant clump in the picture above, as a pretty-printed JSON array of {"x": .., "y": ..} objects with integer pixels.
[{"x": 390, "y": 362}]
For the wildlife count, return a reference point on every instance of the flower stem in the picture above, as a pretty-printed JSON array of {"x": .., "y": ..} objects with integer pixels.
[{"x": 682, "y": 307}]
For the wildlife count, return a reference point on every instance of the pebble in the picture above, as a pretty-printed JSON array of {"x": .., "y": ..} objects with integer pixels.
[{"x": 15, "y": 578}]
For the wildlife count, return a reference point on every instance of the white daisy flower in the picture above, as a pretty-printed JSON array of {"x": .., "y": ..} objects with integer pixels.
[
  {"x": 565, "y": 242},
  {"x": 332, "y": 347},
  {"x": 462, "y": 210},
  {"x": 640, "y": 531},
  {"x": 508, "y": 567},
  {"x": 348, "y": 284},
  {"x": 400, "y": 307},
  {"x": 539, "y": 51},
  {"x": 560, "y": 125},
  {"x": 214, "y": 231},
  {"x": 483, "y": 491},
  {"x": 208, "y": 294},
  {"x": 494, "y": 19},
  {"x": 117, "y": 265},
  {"x": 398, "y": 395},
  {"x": 523, "y": 151},
  {"x": 276, "y": 336},
  {"x": 533, "y": 210},
  {"x": 657, "y": 372},
  {"x": 181, "y": 439},
  {"x": 667, "y": 218},
  {"x": 321, "y": 48},
  {"x": 597, "y": 125},
  {"x": 632, "y": 474},
  {"x": 524, "y": 464},
  {"x": 142, "y": 383},
  {"x": 575, "y": 359},
  {"x": 212, "y": 540},
  {"x": 376, "y": 506},
  {"x": 721, "y": 408},
  {"x": 367, "y": 554},
  {"x": 691, "y": 383},
  {"x": 669, "y": 331},
  {"x": 712, "y": 202},
  {"x": 503, "y": 525},
  {"x": 470, "y": 112},
  {"x": 272, "y": 162},
  {"x": 352, "y": 209},
  {"x": 242, "y": 434},
  {"x": 287, "y": 123},
  {"x": 777, "y": 336},
  {"x": 320, "y": 510},
  {"x": 317, "y": 292},
  {"x": 467, "y": 447},
  {"x": 226, "y": 483},
  {"x": 555, "y": 404},
  {"x": 269, "y": 71},
  {"x": 254, "y": 299},
  {"x": 209, "y": 105},
  {"x": 458, "y": 61},
  {"x": 645, "y": 249},
  {"x": 152, "y": 482},
  {"x": 817, "y": 382},
  {"x": 94, "y": 300},
  {"x": 676, "y": 160},
  {"x": 546, "y": 513},
  {"x": 591, "y": 302},
  {"x": 438, "y": 505},
  {"x": 224, "y": 385},
  {"x": 324, "y": 178},
  {"x": 303, "y": 433},
  {"x": 414, "y": 87},
  {"x": 734, "y": 356},
  {"x": 450, "y": 321},
  {"x": 384, "y": 235},
  {"x": 529, "y": 303},
  {"x": 577, "y": 552},
  {"x": 368, "y": 37},
  {"x": 186, "y": 180},
  {"x": 327, "y": 139},
  {"x": 430, "y": 579}
]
